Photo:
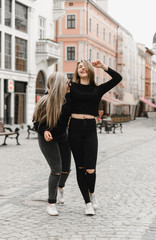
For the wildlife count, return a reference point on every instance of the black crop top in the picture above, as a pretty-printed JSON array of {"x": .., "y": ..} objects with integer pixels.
[
  {"x": 85, "y": 98},
  {"x": 59, "y": 131}
]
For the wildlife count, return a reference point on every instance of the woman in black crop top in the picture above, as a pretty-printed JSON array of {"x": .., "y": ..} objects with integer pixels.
[
  {"x": 50, "y": 119},
  {"x": 85, "y": 98}
]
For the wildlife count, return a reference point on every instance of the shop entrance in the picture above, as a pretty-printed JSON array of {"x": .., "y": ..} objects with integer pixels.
[
  {"x": 20, "y": 103},
  {"x": 40, "y": 86},
  {"x": 7, "y": 104},
  {"x": 19, "y": 109},
  {"x": 7, "y": 108}
]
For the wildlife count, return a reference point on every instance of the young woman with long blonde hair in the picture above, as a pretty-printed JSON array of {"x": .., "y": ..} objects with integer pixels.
[
  {"x": 85, "y": 98},
  {"x": 50, "y": 119}
]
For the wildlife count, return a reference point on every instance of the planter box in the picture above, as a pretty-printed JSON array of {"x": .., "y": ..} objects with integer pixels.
[{"x": 120, "y": 119}]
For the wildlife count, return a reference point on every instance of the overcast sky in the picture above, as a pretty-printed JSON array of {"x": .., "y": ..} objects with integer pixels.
[{"x": 137, "y": 16}]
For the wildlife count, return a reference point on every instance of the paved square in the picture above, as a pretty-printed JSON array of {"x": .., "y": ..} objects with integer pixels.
[{"x": 125, "y": 187}]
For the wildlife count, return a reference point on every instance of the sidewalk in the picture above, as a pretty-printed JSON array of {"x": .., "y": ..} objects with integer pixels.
[{"x": 126, "y": 189}]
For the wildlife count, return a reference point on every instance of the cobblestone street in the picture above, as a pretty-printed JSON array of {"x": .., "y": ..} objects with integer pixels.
[{"x": 125, "y": 187}]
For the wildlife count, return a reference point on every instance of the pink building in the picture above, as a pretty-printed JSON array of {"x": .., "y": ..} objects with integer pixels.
[{"x": 86, "y": 32}]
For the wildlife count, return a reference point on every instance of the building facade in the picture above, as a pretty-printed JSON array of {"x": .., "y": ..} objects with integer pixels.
[
  {"x": 126, "y": 62},
  {"x": 141, "y": 70},
  {"x": 153, "y": 75},
  {"x": 28, "y": 55},
  {"x": 144, "y": 91},
  {"x": 148, "y": 70}
]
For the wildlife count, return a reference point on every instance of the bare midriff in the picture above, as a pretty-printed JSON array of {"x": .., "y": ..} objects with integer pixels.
[{"x": 82, "y": 116}]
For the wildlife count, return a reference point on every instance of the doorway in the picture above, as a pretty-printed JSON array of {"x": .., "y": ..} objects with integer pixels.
[
  {"x": 20, "y": 103},
  {"x": 40, "y": 86},
  {"x": 19, "y": 109},
  {"x": 7, "y": 108}
]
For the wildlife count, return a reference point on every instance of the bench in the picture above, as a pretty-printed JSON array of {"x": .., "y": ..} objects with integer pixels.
[
  {"x": 109, "y": 125},
  {"x": 8, "y": 133},
  {"x": 116, "y": 126},
  {"x": 30, "y": 130}
]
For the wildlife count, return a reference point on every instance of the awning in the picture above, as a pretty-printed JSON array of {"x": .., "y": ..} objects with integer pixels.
[
  {"x": 113, "y": 100},
  {"x": 147, "y": 102}
]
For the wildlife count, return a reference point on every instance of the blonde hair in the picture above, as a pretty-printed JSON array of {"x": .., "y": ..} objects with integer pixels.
[
  {"x": 48, "y": 108},
  {"x": 90, "y": 70}
]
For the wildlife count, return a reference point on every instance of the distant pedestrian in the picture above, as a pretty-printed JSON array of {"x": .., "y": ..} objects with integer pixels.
[
  {"x": 100, "y": 116},
  {"x": 50, "y": 119},
  {"x": 85, "y": 98}
]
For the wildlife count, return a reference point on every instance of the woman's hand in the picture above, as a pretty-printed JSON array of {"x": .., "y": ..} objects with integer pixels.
[
  {"x": 99, "y": 64},
  {"x": 47, "y": 136}
]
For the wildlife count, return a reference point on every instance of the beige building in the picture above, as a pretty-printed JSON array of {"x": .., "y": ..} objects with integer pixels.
[{"x": 127, "y": 66}]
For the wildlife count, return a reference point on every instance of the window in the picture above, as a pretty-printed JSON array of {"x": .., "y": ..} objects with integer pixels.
[
  {"x": 8, "y": 10},
  {"x": 41, "y": 28},
  {"x": 109, "y": 37},
  {"x": 70, "y": 53},
  {"x": 21, "y": 55},
  {"x": 104, "y": 59},
  {"x": 114, "y": 64},
  {"x": 0, "y": 49},
  {"x": 40, "y": 85},
  {"x": 104, "y": 34},
  {"x": 21, "y": 17},
  {"x": 7, "y": 51},
  {"x": 114, "y": 40},
  {"x": 90, "y": 24},
  {"x": 90, "y": 54},
  {"x": 70, "y": 76},
  {"x": 97, "y": 29},
  {"x": 0, "y": 11},
  {"x": 20, "y": 87},
  {"x": 70, "y": 21},
  {"x": 110, "y": 62}
]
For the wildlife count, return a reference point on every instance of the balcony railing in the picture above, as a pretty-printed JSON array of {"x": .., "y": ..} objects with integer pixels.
[
  {"x": 120, "y": 61},
  {"x": 58, "y": 5},
  {"x": 58, "y": 9},
  {"x": 46, "y": 49}
]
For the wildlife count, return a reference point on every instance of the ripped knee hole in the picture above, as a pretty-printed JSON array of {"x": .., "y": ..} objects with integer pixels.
[
  {"x": 90, "y": 171},
  {"x": 80, "y": 167},
  {"x": 65, "y": 172},
  {"x": 56, "y": 174}
]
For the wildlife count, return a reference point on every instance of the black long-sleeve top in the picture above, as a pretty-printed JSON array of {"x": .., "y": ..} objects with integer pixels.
[
  {"x": 85, "y": 98},
  {"x": 59, "y": 131}
]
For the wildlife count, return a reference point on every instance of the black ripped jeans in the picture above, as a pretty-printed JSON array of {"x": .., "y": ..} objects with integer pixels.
[
  {"x": 84, "y": 144},
  {"x": 58, "y": 156}
]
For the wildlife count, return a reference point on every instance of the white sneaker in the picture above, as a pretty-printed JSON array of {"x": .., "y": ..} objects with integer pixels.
[
  {"x": 89, "y": 209},
  {"x": 94, "y": 200},
  {"x": 60, "y": 195},
  {"x": 52, "y": 210}
]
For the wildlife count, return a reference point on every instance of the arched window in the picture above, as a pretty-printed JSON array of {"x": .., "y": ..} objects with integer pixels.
[{"x": 40, "y": 85}]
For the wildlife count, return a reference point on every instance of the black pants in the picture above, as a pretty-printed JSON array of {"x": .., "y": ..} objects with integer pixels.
[
  {"x": 58, "y": 156},
  {"x": 83, "y": 143}
]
